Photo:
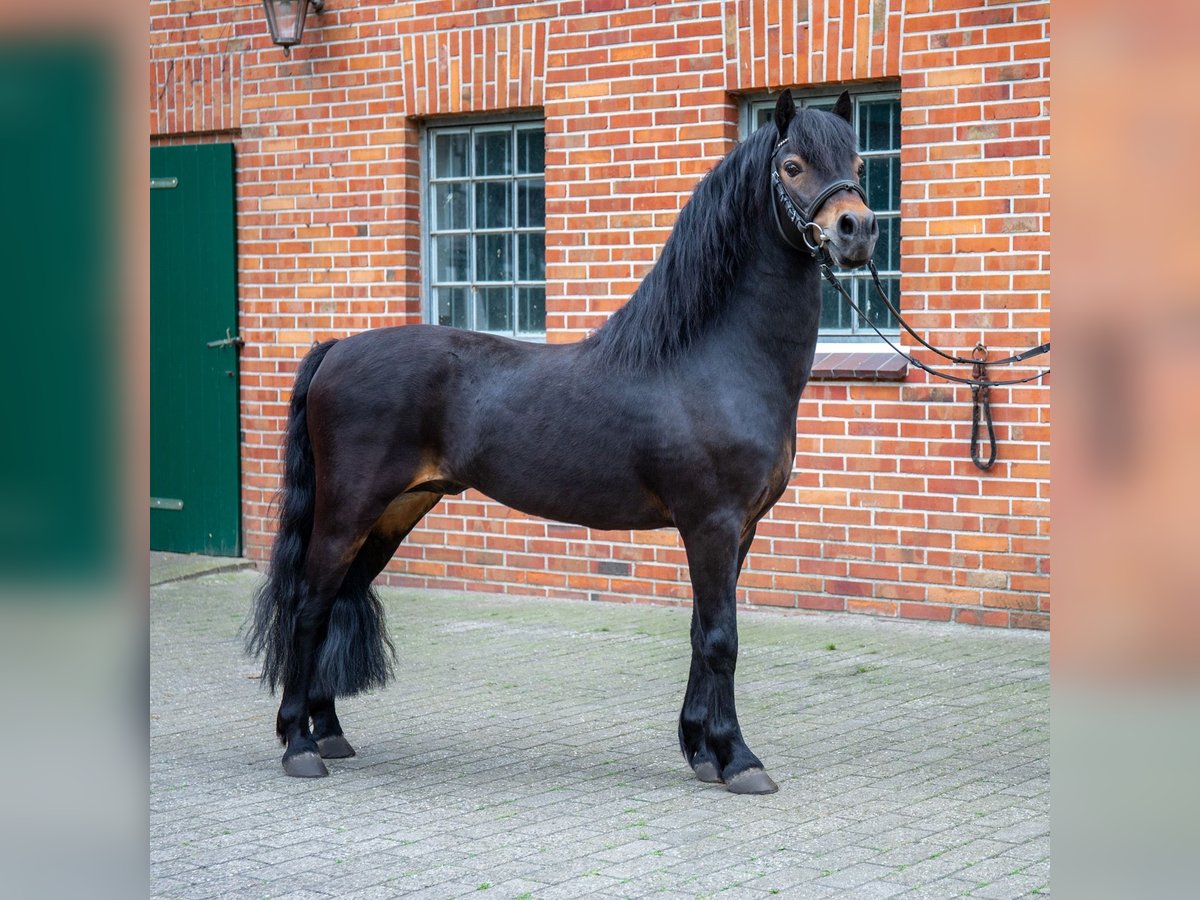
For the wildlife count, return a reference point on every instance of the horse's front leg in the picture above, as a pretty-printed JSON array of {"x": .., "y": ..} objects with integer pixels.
[
  {"x": 709, "y": 733},
  {"x": 695, "y": 702}
]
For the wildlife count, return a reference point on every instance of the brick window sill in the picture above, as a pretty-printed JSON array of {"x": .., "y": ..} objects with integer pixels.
[{"x": 861, "y": 365}]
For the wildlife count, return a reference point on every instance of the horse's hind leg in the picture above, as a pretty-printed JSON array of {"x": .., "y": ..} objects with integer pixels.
[
  {"x": 327, "y": 729},
  {"x": 376, "y": 550},
  {"x": 330, "y": 554},
  {"x": 379, "y": 547}
]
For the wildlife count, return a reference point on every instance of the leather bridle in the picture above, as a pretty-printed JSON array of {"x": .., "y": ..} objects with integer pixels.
[
  {"x": 814, "y": 241},
  {"x": 810, "y": 232}
]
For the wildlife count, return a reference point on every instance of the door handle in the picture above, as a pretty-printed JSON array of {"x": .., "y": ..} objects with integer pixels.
[{"x": 228, "y": 341}]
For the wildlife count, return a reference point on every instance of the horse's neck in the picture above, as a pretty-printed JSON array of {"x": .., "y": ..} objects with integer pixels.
[{"x": 775, "y": 312}]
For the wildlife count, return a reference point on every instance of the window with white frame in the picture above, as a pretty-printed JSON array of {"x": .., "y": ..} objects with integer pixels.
[
  {"x": 877, "y": 121},
  {"x": 485, "y": 227}
]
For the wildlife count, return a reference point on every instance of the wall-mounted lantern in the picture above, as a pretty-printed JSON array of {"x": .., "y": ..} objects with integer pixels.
[{"x": 285, "y": 18}]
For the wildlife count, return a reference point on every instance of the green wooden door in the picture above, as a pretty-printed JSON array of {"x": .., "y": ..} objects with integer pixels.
[{"x": 193, "y": 352}]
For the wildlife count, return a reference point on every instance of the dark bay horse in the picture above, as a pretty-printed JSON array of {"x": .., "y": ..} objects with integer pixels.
[{"x": 679, "y": 412}]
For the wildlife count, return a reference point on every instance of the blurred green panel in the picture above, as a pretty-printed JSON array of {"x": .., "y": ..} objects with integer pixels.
[{"x": 59, "y": 480}]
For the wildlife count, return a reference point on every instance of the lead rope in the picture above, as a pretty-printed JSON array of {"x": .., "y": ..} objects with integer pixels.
[
  {"x": 1007, "y": 361},
  {"x": 981, "y": 403},
  {"x": 814, "y": 244},
  {"x": 980, "y": 383},
  {"x": 827, "y": 272}
]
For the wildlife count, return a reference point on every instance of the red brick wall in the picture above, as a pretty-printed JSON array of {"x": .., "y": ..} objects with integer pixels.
[{"x": 886, "y": 514}]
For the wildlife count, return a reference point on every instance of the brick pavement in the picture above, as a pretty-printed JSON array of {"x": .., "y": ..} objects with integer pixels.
[{"x": 528, "y": 751}]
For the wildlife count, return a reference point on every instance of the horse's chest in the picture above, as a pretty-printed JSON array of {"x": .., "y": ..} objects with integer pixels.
[{"x": 754, "y": 466}]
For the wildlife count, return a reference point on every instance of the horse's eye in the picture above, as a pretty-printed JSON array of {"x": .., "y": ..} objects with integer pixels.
[
  {"x": 862, "y": 171},
  {"x": 791, "y": 168}
]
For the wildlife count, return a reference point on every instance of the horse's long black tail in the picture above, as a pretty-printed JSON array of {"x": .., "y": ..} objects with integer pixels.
[{"x": 356, "y": 653}]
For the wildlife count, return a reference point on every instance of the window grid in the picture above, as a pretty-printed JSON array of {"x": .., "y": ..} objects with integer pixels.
[
  {"x": 838, "y": 320},
  {"x": 485, "y": 236}
]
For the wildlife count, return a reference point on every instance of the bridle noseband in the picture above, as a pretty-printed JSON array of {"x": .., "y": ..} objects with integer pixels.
[{"x": 814, "y": 239}]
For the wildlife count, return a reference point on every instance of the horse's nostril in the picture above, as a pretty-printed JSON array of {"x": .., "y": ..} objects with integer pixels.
[
  {"x": 873, "y": 223},
  {"x": 847, "y": 224}
]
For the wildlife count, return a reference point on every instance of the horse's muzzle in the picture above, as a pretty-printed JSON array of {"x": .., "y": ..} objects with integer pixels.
[
  {"x": 850, "y": 231},
  {"x": 852, "y": 254}
]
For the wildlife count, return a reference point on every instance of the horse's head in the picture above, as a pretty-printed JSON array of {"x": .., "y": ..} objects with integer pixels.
[{"x": 817, "y": 174}]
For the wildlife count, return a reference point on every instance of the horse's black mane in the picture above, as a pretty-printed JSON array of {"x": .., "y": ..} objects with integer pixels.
[
  {"x": 715, "y": 231},
  {"x": 699, "y": 261}
]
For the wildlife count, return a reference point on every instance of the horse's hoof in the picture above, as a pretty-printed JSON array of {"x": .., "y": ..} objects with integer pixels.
[
  {"x": 305, "y": 765},
  {"x": 707, "y": 772},
  {"x": 335, "y": 747},
  {"x": 752, "y": 781}
]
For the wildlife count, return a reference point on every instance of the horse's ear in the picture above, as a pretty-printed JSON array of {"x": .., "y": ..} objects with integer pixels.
[
  {"x": 844, "y": 108},
  {"x": 785, "y": 111}
]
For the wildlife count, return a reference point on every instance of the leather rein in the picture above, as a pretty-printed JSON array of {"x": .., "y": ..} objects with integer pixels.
[{"x": 813, "y": 242}]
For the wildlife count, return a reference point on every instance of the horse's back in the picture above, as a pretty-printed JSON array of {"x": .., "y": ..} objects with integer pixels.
[
  {"x": 535, "y": 426},
  {"x": 409, "y": 364}
]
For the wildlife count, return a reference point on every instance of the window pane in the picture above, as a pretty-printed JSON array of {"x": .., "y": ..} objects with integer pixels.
[
  {"x": 493, "y": 309},
  {"x": 531, "y": 309},
  {"x": 874, "y": 306},
  {"x": 449, "y": 207},
  {"x": 493, "y": 153},
  {"x": 451, "y": 305},
  {"x": 894, "y": 181},
  {"x": 450, "y": 258},
  {"x": 531, "y": 257},
  {"x": 879, "y": 122},
  {"x": 835, "y": 314},
  {"x": 493, "y": 204},
  {"x": 450, "y": 155},
  {"x": 531, "y": 151},
  {"x": 879, "y": 183},
  {"x": 887, "y": 250},
  {"x": 493, "y": 257},
  {"x": 531, "y": 203}
]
